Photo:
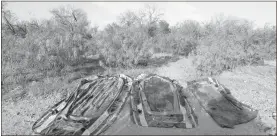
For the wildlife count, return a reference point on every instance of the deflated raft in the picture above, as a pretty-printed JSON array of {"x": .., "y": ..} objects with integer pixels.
[
  {"x": 159, "y": 102},
  {"x": 91, "y": 109},
  {"x": 156, "y": 101},
  {"x": 218, "y": 102}
]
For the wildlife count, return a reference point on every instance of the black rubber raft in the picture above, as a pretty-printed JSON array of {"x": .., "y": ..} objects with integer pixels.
[{"x": 156, "y": 101}]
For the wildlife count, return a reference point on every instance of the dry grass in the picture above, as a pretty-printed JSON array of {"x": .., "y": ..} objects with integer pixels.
[
  {"x": 18, "y": 117},
  {"x": 19, "y": 112}
]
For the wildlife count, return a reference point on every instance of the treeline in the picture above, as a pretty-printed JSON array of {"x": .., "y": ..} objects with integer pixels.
[{"x": 50, "y": 46}]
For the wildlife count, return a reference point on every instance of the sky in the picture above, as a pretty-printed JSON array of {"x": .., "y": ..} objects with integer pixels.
[{"x": 103, "y": 13}]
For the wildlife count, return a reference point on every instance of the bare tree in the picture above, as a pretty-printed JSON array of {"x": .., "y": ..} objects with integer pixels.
[
  {"x": 74, "y": 20},
  {"x": 151, "y": 14},
  {"x": 148, "y": 16},
  {"x": 8, "y": 18},
  {"x": 72, "y": 24},
  {"x": 129, "y": 18},
  {"x": 22, "y": 29}
]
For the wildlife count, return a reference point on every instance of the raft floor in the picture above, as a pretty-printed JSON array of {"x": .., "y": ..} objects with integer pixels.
[{"x": 206, "y": 126}]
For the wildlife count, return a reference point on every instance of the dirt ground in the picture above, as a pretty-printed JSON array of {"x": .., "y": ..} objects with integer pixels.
[{"x": 253, "y": 85}]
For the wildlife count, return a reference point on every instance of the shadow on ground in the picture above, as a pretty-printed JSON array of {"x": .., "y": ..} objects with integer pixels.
[
  {"x": 88, "y": 69},
  {"x": 163, "y": 60}
]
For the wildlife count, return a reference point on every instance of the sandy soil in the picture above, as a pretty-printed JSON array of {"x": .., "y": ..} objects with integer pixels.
[{"x": 18, "y": 115}]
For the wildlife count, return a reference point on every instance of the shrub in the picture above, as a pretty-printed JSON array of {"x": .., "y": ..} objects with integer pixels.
[
  {"x": 125, "y": 46},
  {"x": 227, "y": 44},
  {"x": 32, "y": 50},
  {"x": 182, "y": 39}
]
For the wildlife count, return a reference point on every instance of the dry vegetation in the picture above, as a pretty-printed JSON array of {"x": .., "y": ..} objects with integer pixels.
[{"x": 42, "y": 59}]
